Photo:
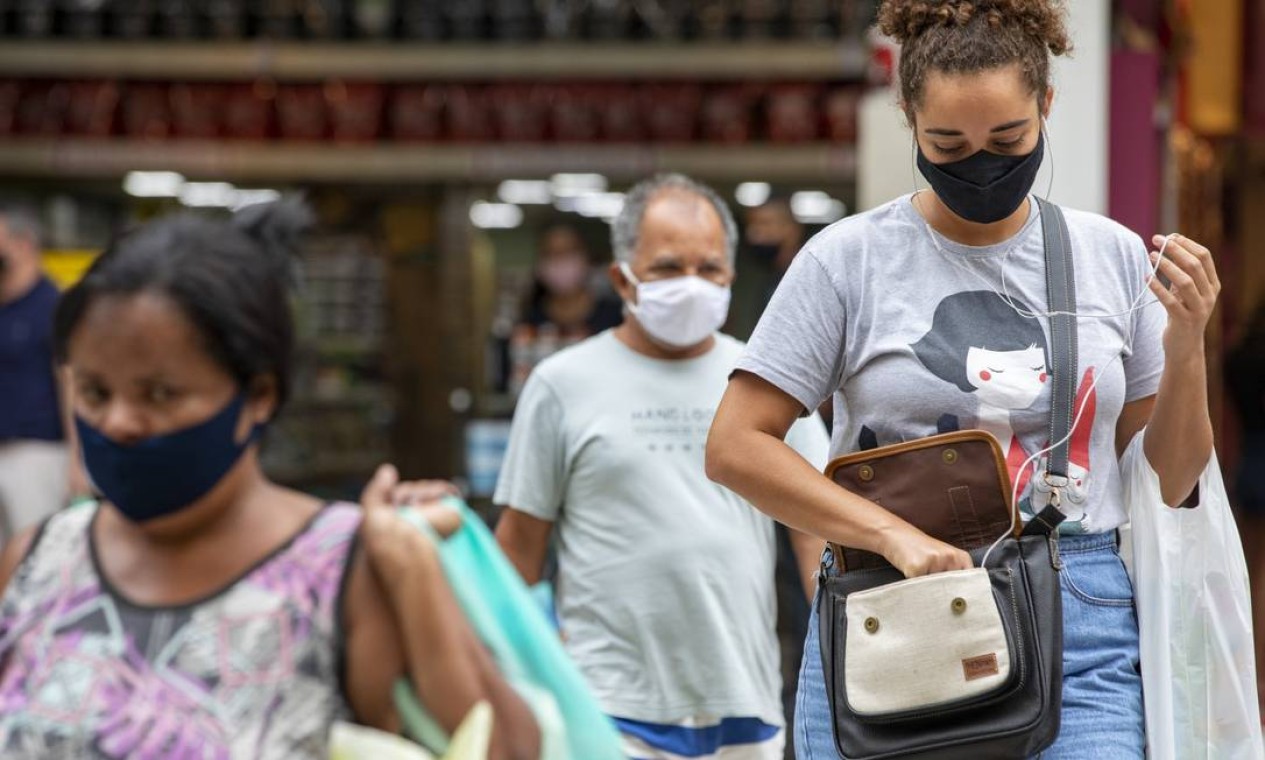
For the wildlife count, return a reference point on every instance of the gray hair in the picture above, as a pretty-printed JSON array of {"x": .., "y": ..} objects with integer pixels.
[
  {"x": 626, "y": 229},
  {"x": 22, "y": 220}
]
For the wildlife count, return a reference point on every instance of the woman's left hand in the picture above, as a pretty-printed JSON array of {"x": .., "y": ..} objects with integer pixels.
[{"x": 1192, "y": 297}]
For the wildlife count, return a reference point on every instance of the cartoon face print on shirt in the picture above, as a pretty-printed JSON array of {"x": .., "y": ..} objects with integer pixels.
[
  {"x": 1007, "y": 379},
  {"x": 981, "y": 345}
]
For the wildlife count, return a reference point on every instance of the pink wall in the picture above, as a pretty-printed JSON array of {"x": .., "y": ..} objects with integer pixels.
[{"x": 1134, "y": 147}]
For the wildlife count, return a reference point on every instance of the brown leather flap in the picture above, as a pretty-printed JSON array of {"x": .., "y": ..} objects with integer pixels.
[{"x": 954, "y": 487}]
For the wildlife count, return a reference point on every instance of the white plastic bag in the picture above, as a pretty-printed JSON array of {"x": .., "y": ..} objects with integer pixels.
[{"x": 1194, "y": 612}]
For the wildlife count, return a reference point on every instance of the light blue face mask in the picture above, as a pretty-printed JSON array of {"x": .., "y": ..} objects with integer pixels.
[{"x": 161, "y": 475}]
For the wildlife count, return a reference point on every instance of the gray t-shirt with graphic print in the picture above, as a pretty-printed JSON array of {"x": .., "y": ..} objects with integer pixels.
[{"x": 916, "y": 334}]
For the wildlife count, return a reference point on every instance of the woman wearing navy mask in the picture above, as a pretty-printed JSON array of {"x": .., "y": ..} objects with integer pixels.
[
  {"x": 199, "y": 610},
  {"x": 868, "y": 313}
]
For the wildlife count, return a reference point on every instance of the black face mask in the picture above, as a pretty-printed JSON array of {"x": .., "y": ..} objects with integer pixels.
[{"x": 984, "y": 187}]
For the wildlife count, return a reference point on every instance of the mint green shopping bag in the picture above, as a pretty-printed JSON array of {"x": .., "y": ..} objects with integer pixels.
[{"x": 526, "y": 647}]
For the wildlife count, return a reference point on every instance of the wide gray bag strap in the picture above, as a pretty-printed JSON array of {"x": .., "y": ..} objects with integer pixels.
[{"x": 1060, "y": 280}]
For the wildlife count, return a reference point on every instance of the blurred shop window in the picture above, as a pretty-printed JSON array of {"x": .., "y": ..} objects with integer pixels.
[
  {"x": 486, "y": 442},
  {"x": 343, "y": 406}
]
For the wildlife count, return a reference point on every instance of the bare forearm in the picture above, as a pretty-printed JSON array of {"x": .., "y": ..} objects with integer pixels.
[
  {"x": 525, "y": 542},
  {"x": 434, "y": 635},
  {"x": 807, "y": 549},
  {"x": 452, "y": 671},
  {"x": 517, "y": 735},
  {"x": 427, "y": 633},
  {"x": 789, "y": 489},
  {"x": 527, "y": 566},
  {"x": 1178, "y": 440},
  {"x": 746, "y": 452}
]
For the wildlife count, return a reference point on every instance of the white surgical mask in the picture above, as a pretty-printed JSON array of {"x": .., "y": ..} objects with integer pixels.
[{"x": 680, "y": 312}]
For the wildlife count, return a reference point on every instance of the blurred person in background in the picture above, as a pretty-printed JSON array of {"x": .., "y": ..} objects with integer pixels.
[
  {"x": 564, "y": 293},
  {"x": 665, "y": 580},
  {"x": 772, "y": 238},
  {"x": 1245, "y": 378},
  {"x": 198, "y": 608},
  {"x": 37, "y": 470},
  {"x": 565, "y": 305}
]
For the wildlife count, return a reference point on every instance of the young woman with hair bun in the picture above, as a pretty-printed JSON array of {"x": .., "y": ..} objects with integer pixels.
[{"x": 877, "y": 311}]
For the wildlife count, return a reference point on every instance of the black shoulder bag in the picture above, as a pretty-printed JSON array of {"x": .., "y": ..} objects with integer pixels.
[{"x": 967, "y": 664}]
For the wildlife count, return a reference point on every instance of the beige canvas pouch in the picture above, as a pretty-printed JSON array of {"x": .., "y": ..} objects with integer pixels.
[{"x": 924, "y": 642}]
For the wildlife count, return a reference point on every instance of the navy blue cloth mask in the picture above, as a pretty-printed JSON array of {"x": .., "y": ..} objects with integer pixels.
[
  {"x": 161, "y": 475},
  {"x": 984, "y": 187}
]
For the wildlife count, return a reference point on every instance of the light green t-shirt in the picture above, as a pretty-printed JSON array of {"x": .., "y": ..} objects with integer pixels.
[{"x": 665, "y": 585}]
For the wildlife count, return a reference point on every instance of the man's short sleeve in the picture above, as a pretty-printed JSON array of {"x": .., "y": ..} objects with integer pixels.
[
  {"x": 799, "y": 343},
  {"x": 533, "y": 476}
]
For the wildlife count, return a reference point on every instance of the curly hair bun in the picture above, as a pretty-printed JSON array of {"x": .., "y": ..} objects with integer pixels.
[{"x": 1040, "y": 20}]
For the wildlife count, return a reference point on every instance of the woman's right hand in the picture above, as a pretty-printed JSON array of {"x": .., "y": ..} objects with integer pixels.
[
  {"x": 448, "y": 665},
  {"x": 389, "y": 540},
  {"x": 400, "y": 554},
  {"x": 914, "y": 553}
]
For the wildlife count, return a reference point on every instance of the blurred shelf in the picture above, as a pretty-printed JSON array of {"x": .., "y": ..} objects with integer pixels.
[
  {"x": 387, "y": 163},
  {"x": 327, "y": 468},
  {"x": 355, "y": 402},
  {"x": 496, "y": 405},
  {"x": 345, "y": 345},
  {"x": 399, "y": 62}
]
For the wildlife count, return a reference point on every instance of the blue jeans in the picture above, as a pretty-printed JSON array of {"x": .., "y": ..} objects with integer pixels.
[{"x": 1102, "y": 689}]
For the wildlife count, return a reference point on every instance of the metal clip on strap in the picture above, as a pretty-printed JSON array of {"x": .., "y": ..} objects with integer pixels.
[{"x": 1060, "y": 280}]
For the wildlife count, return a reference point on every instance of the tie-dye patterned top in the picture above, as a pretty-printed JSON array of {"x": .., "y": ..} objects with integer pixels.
[{"x": 251, "y": 671}]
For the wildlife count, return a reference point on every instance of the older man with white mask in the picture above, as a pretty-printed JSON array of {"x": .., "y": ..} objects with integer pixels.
[{"x": 665, "y": 580}]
